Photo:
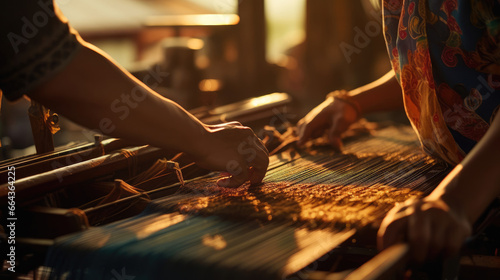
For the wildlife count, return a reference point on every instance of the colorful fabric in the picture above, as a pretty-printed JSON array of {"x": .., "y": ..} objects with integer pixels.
[
  {"x": 446, "y": 56},
  {"x": 36, "y": 42}
]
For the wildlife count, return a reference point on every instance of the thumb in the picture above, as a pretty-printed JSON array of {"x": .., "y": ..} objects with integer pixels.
[
  {"x": 393, "y": 228},
  {"x": 335, "y": 133},
  {"x": 303, "y": 131},
  {"x": 335, "y": 141},
  {"x": 391, "y": 234},
  {"x": 235, "y": 180}
]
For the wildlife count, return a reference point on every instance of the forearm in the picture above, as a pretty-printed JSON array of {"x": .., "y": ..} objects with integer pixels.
[
  {"x": 383, "y": 94},
  {"x": 96, "y": 93},
  {"x": 474, "y": 183}
]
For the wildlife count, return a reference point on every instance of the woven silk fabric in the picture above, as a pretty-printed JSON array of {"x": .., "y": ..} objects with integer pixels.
[
  {"x": 309, "y": 203},
  {"x": 353, "y": 189},
  {"x": 446, "y": 56}
]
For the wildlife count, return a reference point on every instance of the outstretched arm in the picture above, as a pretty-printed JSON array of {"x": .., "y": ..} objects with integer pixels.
[
  {"x": 335, "y": 115},
  {"x": 97, "y": 93},
  {"x": 439, "y": 223},
  {"x": 383, "y": 94}
]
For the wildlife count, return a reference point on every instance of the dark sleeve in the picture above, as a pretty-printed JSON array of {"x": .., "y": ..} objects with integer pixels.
[{"x": 36, "y": 42}]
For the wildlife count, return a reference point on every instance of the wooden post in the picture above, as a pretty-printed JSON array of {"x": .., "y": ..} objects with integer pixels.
[
  {"x": 252, "y": 47},
  {"x": 320, "y": 33},
  {"x": 331, "y": 25},
  {"x": 42, "y": 133}
]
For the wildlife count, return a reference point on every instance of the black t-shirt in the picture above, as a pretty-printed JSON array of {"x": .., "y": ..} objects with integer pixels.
[{"x": 35, "y": 43}]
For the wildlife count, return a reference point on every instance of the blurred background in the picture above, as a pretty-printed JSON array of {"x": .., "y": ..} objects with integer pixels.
[{"x": 206, "y": 53}]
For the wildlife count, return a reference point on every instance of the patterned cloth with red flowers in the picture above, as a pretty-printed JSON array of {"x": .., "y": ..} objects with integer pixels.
[{"x": 446, "y": 56}]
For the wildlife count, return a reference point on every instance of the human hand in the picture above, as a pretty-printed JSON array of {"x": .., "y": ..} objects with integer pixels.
[
  {"x": 430, "y": 226},
  {"x": 333, "y": 116},
  {"x": 235, "y": 149}
]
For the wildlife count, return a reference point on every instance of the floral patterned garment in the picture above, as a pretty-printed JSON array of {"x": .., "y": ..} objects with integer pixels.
[{"x": 446, "y": 56}]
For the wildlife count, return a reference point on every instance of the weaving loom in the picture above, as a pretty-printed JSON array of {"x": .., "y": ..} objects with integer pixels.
[
  {"x": 122, "y": 212},
  {"x": 308, "y": 204}
]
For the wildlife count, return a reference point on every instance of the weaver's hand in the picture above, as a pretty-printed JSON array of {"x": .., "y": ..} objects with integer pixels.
[
  {"x": 333, "y": 116},
  {"x": 235, "y": 149},
  {"x": 431, "y": 227}
]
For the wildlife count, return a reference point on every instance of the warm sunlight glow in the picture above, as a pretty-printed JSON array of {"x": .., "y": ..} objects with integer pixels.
[
  {"x": 266, "y": 99},
  {"x": 217, "y": 241},
  {"x": 158, "y": 224},
  {"x": 192, "y": 20},
  {"x": 210, "y": 85}
]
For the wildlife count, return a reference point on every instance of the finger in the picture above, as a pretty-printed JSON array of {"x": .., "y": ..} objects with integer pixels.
[
  {"x": 418, "y": 235},
  {"x": 309, "y": 130},
  {"x": 317, "y": 133},
  {"x": 303, "y": 132},
  {"x": 437, "y": 240},
  {"x": 335, "y": 141},
  {"x": 233, "y": 123},
  {"x": 338, "y": 127},
  {"x": 224, "y": 125},
  {"x": 258, "y": 142},
  {"x": 258, "y": 169},
  {"x": 236, "y": 179},
  {"x": 391, "y": 231}
]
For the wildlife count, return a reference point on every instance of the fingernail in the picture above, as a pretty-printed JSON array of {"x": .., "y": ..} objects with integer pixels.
[{"x": 224, "y": 182}]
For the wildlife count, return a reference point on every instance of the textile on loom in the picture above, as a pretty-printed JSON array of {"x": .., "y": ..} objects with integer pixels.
[
  {"x": 350, "y": 189},
  {"x": 308, "y": 204}
]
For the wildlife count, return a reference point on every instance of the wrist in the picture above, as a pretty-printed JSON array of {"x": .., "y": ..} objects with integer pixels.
[
  {"x": 346, "y": 97},
  {"x": 456, "y": 192},
  {"x": 199, "y": 141}
]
